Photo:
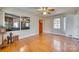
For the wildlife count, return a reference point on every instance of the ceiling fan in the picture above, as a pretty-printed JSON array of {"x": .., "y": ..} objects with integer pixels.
[{"x": 46, "y": 10}]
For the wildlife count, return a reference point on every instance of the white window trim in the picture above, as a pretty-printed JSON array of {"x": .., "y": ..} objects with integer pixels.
[{"x": 56, "y": 23}]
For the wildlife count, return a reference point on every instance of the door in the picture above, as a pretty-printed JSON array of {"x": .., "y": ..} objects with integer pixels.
[{"x": 40, "y": 26}]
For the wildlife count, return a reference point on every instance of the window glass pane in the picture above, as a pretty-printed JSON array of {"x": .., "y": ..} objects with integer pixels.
[{"x": 57, "y": 23}]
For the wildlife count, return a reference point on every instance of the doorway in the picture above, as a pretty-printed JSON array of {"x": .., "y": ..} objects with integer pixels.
[{"x": 40, "y": 26}]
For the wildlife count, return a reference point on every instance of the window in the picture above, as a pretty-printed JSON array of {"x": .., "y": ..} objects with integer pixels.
[{"x": 57, "y": 23}]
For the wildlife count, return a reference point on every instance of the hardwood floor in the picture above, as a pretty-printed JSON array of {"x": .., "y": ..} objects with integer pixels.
[{"x": 43, "y": 43}]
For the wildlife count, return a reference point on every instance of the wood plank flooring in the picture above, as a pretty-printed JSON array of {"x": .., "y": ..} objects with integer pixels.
[{"x": 44, "y": 43}]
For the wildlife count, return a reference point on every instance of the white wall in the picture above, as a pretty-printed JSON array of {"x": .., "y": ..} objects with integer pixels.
[
  {"x": 48, "y": 25},
  {"x": 61, "y": 30},
  {"x": 72, "y": 24},
  {"x": 33, "y": 22},
  {"x": 1, "y": 17},
  {"x": 1, "y": 23}
]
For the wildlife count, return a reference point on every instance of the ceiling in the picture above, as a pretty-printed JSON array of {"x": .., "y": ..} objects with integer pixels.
[{"x": 58, "y": 10}]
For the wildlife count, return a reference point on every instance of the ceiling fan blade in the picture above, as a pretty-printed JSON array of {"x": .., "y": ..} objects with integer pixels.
[
  {"x": 51, "y": 9},
  {"x": 49, "y": 12}
]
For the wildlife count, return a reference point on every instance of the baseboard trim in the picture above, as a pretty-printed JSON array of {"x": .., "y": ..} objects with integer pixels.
[
  {"x": 55, "y": 33},
  {"x": 28, "y": 36},
  {"x": 62, "y": 35}
]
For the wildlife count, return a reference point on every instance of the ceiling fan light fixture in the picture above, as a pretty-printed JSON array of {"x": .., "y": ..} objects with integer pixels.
[
  {"x": 44, "y": 13},
  {"x": 46, "y": 10}
]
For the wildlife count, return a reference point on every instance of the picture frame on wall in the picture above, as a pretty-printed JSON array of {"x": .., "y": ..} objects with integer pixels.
[
  {"x": 25, "y": 23},
  {"x": 12, "y": 22}
]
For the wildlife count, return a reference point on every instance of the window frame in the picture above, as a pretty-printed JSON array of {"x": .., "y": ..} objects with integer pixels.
[{"x": 56, "y": 22}]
